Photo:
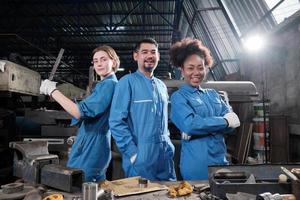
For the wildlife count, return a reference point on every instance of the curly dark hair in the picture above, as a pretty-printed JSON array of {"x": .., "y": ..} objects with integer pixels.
[{"x": 181, "y": 50}]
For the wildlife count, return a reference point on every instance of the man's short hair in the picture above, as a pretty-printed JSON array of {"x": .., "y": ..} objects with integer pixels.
[{"x": 145, "y": 40}]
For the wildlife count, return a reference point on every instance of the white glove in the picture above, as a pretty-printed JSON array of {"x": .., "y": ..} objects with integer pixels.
[
  {"x": 133, "y": 158},
  {"x": 232, "y": 120},
  {"x": 47, "y": 87}
]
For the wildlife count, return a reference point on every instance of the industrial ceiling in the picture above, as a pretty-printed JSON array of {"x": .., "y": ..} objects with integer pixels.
[{"x": 32, "y": 32}]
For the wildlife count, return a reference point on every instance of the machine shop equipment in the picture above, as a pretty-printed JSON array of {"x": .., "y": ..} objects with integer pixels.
[
  {"x": 16, "y": 78},
  {"x": 24, "y": 81},
  {"x": 238, "y": 91},
  {"x": 252, "y": 179},
  {"x": 35, "y": 124},
  {"x": 30, "y": 158},
  {"x": 30, "y": 121},
  {"x": 54, "y": 128},
  {"x": 34, "y": 164}
]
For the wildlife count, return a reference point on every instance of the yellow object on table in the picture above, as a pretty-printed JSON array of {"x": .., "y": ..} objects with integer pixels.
[
  {"x": 184, "y": 188},
  {"x": 54, "y": 197}
]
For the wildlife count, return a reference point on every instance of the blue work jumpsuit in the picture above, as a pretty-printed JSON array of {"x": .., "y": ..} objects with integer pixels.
[
  {"x": 139, "y": 124},
  {"x": 199, "y": 113},
  {"x": 91, "y": 150}
]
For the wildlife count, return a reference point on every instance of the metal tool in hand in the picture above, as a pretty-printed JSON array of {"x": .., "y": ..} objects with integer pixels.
[{"x": 57, "y": 61}]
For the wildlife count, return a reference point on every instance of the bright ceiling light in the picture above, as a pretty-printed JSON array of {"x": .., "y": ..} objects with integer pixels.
[{"x": 254, "y": 43}]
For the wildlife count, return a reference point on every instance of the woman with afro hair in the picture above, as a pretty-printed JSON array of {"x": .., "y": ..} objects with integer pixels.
[{"x": 200, "y": 114}]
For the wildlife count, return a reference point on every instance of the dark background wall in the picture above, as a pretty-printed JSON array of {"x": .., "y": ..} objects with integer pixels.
[{"x": 276, "y": 72}]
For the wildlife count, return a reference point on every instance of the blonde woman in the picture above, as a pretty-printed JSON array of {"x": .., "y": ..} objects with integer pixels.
[{"x": 91, "y": 150}]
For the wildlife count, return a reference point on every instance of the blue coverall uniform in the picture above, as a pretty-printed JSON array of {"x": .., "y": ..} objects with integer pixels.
[
  {"x": 199, "y": 113},
  {"x": 139, "y": 125},
  {"x": 91, "y": 150}
]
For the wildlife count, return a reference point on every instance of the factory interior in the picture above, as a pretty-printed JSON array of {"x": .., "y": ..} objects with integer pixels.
[{"x": 255, "y": 47}]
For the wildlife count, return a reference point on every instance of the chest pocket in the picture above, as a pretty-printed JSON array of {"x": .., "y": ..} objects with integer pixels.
[
  {"x": 217, "y": 105},
  {"x": 198, "y": 106},
  {"x": 141, "y": 108}
]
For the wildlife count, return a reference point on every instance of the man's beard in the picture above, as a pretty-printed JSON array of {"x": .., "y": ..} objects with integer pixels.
[{"x": 149, "y": 68}]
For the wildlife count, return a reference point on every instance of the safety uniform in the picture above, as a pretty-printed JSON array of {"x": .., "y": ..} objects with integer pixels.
[
  {"x": 91, "y": 150},
  {"x": 139, "y": 125},
  {"x": 198, "y": 113}
]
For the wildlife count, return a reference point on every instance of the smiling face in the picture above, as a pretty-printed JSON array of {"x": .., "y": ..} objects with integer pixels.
[
  {"x": 103, "y": 64},
  {"x": 193, "y": 70},
  {"x": 147, "y": 58}
]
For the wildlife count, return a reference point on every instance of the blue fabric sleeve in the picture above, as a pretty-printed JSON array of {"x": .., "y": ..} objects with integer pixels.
[
  {"x": 119, "y": 121},
  {"x": 98, "y": 102},
  {"x": 75, "y": 122},
  {"x": 191, "y": 123},
  {"x": 225, "y": 109}
]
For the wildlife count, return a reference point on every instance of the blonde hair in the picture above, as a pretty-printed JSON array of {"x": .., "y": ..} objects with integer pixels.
[{"x": 111, "y": 53}]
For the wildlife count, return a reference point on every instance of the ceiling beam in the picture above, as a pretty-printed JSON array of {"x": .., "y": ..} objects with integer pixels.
[
  {"x": 128, "y": 14},
  {"x": 73, "y": 15},
  {"x": 96, "y": 33},
  {"x": 55, "y": 2}
]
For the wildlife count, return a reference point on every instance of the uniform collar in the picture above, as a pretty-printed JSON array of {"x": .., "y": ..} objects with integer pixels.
[
  {"x": 190, "y": 88},
  {"x": 138, "y": 72},
  {"x": 112, "y": 76}
]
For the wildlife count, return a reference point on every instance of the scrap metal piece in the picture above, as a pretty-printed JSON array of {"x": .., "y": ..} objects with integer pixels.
[
  {"x": 62, "y": 178},
  {"x": 12, "y": 188},
  {"x": 198, "y": 188},
  {"x": 16, "y": 195},
  {"x": 240, "y": 196},
  {"x": 35, "y": 194},
  {"x": 29, "y": 158},
  {"x": 143, "y": 182},
  {"x": 230, "y": 175},
  {"x": 90, "y": 191}
]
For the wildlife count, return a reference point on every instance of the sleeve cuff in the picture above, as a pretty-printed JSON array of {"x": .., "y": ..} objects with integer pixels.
[{"x": 227, "y": 124}]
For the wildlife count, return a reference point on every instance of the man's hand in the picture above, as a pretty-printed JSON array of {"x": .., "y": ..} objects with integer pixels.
[
  {"x": 47, "y": 87},
  {"x": 232, "y": 120}
]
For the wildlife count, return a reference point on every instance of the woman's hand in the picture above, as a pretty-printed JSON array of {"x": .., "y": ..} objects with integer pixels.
[{"x": 232, "y": 120}]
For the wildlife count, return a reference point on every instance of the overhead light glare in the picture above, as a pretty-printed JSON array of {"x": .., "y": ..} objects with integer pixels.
[{"x": 254, "y": 43}]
